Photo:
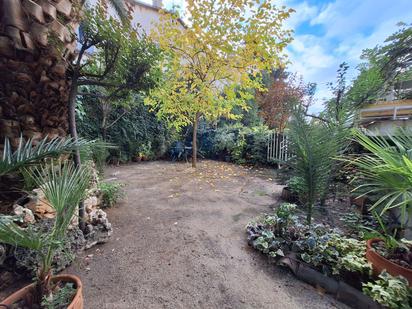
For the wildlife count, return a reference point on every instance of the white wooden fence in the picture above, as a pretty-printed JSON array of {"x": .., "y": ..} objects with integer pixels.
[{"x": 277, "y": 147}]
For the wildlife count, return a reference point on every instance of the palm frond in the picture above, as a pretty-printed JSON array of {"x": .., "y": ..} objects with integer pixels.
[
  {"x": 314, "y": 147},
  {"x": 64, "y": 186},
  {"x": 28, "y": 153},
  {"x": 387, "y": 170},
  {"x": 12, "y": 234}
]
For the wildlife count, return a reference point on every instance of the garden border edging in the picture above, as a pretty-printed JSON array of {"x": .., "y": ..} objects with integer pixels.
[{"x": 339, "y": 289}]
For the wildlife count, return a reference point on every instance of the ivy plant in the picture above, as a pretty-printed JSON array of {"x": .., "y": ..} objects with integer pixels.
[{"x": 389, "y": 291}]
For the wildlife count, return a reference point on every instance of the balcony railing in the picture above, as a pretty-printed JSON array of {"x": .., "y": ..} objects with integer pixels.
[{"x": 387, "y": 110}]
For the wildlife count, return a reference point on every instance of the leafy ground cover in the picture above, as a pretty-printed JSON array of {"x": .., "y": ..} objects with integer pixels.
[{"x": 327, "y": 250}]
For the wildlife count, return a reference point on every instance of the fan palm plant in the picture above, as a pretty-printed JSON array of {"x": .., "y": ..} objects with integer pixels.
[
  {"x": 27, "y": 153},
  {"x": 386, "y": 171},
  {"x": 64, "y": 185}
]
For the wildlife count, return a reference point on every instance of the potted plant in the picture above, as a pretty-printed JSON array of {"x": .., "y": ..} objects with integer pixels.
[
  {"x": 386, "y": 171},
  {"x": 64, "y": 186},
  {"x": 396, "y": 260},
  {"x": 386, "y": 253}
]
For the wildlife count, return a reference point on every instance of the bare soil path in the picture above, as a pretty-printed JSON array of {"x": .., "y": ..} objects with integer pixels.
[{"x": 179, "y": 242}]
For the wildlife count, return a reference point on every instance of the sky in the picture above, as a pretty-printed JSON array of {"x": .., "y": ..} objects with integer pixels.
[{"x": 329, "y": 32}]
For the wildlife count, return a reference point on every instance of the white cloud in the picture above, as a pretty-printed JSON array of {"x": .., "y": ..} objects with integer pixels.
[
  {"x": 349, "y": 26},
  {"x": 303, "y": 12}
]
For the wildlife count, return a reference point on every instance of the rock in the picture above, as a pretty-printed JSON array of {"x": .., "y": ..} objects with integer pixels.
[
  {"x": 88, "y": 229},
  {"x": 98, "y": 229},
  {"x": 94, "y": 181},
  {"x": 98, "y": 216},
  {"x": 90, "y": 203},
  {"x": 74, "y": 223},
  {"x": 43, "y": 210},
  {"x": 39, "y": 193},
  {"x": 40, "y": 206},
  {"x": 27, "y": 261},
  {"x": 25, "y": 213}
]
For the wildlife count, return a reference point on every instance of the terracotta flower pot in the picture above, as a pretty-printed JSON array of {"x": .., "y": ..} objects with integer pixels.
[
  {"x": 77, "y": 302},
  {"x": 379, "y": 263}
]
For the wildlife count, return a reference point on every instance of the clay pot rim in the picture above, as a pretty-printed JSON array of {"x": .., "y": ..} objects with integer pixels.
[
  {"x": 11, "y": 299},
  {"x": 371, "y": 241}
]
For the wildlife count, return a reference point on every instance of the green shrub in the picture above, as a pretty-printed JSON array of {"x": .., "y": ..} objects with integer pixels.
[
  {"x": 238, "y": 151},
  {"x": 389, "y": 291},
  {"x": 244, "y": 145},
  {"x": 111, "y": 193},
  {"x": 224, "y": 139},
  {"x": 98, "y": 152},
  {"x": 130, "y": 130},
  {"x": 296, "y": 184},
  {"x": 323, "y": 248},
  {"x": 256, "y": 150}
]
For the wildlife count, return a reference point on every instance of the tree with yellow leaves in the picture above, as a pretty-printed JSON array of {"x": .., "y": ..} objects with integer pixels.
[{"x": 213, "y": 62}]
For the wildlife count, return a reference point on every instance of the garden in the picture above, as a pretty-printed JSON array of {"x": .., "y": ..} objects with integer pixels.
[{"x": 182, "y": 164}]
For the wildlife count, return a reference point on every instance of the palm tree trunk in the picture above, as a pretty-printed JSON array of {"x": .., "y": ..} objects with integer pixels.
[
  {"x": 34, "y": 88},
  {"x": 33, "y": 85}
]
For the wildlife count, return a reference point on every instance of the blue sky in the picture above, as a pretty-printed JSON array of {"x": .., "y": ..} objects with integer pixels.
[{"x": 328, "y": 32}]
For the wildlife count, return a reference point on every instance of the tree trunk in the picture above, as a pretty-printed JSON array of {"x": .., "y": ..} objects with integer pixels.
[
  {"x": 194, "y": 141},
  {"x": 105, "y": 109},
  {"x": 73, "y": 133},
  {"x": 309, "y": 214},
  {"x": 33, "y": 85},
  {"x": 34, "y": 89}
]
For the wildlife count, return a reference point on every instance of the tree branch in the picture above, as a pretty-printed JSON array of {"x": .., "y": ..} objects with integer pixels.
[
  {"x": 93, "y": 82},
  {"x": 317, "y": 117}
]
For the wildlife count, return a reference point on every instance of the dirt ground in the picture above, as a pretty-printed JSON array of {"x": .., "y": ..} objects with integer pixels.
[{"x": 179, "y": 242}]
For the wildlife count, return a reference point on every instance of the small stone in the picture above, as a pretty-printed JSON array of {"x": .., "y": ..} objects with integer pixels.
[
  {"x": 90, "y": 203},
  {"x": 25, "y": 213},
  {"x": 40, "y": 206},
  {"x": 39, "y": 193},
  {"x": 89, "y": 228}
]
